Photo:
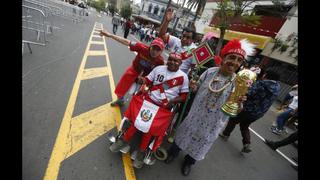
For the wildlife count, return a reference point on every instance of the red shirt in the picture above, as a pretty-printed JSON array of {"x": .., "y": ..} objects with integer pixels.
[{"x": 143, "y": 61}]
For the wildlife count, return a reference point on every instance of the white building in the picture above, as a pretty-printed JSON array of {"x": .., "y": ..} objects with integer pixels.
[
  {"x": 288, "y": 34},
  {"x": 153, "y": 10}
]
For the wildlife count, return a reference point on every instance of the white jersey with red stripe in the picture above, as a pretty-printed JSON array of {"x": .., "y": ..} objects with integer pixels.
[
  {"x": 174, "y": 44},
  {"x": 167, "y": 84}
]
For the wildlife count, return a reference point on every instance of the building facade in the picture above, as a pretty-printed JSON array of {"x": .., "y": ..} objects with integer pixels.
[{"x": 153, "y": 11}]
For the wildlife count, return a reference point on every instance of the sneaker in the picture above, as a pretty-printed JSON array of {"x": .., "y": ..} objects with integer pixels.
[
  {"x": 271, "y": 144},
  {"x": 138, "y": 162},
  {"x": 224, "y": 137},
  {"x": 118, "y": 145},
  {"x": 118, "y": 102},
  {"x": 246, "y": 148},
  {"x": 277, "y": 131}
]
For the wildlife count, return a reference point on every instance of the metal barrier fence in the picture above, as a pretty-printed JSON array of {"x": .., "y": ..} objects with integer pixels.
[
  {"x": 33, "y": 21},
  {"x": 40, "y": 16},
  {"x": 49, "y": 11}
]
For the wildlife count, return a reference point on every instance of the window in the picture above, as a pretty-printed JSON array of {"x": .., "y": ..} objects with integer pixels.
[
  {"x": 156, "y": 9},
  {"x": 162, "y": 10},
  {"x": 150, "y": 8}
]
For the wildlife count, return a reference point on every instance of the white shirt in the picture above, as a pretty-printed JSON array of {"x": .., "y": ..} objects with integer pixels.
[
  {"x": 161, "y": 74},
  {"x": 142, "y": 30},
  {"x": 174, "y": 44},
  {"x": 257, "y": 70},
  {"x": 293, "y": 93},
  {"x": 294, "y": 103},
  {"x": 149, "y": 31}
]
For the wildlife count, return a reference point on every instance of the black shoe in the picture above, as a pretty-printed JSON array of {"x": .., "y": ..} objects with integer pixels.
[
  {"x": 186, "y": 168},
  {"x": 246, "y": 148},
  {"x": 118, "y": 102},
  {"x": 271, "y": 144},
  {"x": 224, "y": 137},
  {"x": 169, "y": 159}
]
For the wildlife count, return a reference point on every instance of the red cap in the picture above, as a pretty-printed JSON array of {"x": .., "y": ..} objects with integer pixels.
[
  {"x": 175, "y": 56},
  {"x": 158, "y": 42}
]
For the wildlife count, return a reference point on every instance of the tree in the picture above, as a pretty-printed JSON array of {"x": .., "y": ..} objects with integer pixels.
[
  {"x": 230, "y": 10},
  {"x": 200, "y": 4},
  {"x": 126, "y": 11},
  {"x": 112, "y": 9},
  {"x": 98, "y": 5}
]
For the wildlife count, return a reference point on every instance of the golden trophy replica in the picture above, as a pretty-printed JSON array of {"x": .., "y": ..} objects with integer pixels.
[{"x": 244, "y": 79}]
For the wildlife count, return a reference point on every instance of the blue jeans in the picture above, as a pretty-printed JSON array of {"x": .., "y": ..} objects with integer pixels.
[{"x": 283, "y": 117}]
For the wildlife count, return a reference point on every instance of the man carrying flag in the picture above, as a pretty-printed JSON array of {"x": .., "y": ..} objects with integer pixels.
[{"x": 150, "y": 111}]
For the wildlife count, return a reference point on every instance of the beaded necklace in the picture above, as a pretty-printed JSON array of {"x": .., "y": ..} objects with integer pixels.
[{"x": 217, "y": 92}]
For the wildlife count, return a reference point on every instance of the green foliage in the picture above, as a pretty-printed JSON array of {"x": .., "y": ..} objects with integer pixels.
[
  {"x": 276, "y": 45},
  {"x": 112, "y": 8},
  {"x": 126, "y": 11},
  {"x": 283, "y": 48},
  {"x": 98, "y": 5}
]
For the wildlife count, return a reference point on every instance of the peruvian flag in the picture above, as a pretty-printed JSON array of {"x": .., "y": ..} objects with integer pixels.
[{"x": 148, "y": 117}]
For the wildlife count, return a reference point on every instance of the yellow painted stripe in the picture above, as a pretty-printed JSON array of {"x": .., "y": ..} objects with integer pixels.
[
  {"x": 59, "y": 152},
  {"x": 94, "y": 73},
  {"x": 127, "y": 163},
  {"x": 96, "y": 53},
  {"x": 97, "y": 36},
  {"x": 88, "y": 126},
  {"x": 97, "y": 42}
]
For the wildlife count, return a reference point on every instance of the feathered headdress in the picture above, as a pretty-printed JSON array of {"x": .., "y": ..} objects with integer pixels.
[{"x": 243, "y": 48}]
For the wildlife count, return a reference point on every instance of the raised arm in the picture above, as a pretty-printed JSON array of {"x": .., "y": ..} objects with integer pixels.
[
  {"x": 121, "y": 40},
  {"x": 164, "y": 26}
]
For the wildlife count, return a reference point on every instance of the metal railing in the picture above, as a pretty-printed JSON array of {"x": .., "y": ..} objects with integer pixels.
[
  {"x": 42, "y": 16},
  {"x": 33, "y": 20}
]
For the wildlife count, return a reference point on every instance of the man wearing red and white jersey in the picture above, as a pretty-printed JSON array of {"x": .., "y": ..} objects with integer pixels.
[
  {"x": 147, "y": 58},
  {"x": 168, "y": 85},
  {"x": 183, "y": 46}
]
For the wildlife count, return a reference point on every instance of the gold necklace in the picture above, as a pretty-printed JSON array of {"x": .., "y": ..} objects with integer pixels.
[
  {"x": 222, "y": 88},
  {"x": 217, "y": 92}
]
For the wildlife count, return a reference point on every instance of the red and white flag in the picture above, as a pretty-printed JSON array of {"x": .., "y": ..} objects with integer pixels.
[{"x": 148, "y": 117}]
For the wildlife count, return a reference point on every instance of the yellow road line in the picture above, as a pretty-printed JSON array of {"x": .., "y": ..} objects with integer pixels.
[
  {"x": 88, "y": 126},
  {"x": 97, "y": 36},
  {"x": 97, "y": 42},
  {"x": 127, "y": 163},
  {"x": 94, "y": 72},
  {"x": 96, "y": 53},
  {"x": 59, "y": 152},
  {"x": 77, "y": 132}
]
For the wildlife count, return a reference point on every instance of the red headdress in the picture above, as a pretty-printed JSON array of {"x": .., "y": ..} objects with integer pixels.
[{"x": 243, "y": 48}]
